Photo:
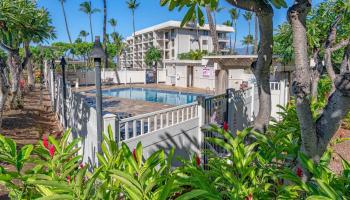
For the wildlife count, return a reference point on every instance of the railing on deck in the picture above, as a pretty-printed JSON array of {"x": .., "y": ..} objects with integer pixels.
[{"x": 144, "y": 124}]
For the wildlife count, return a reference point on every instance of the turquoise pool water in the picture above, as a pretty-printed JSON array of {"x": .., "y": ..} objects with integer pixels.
[{"x": 152, "y": 95}]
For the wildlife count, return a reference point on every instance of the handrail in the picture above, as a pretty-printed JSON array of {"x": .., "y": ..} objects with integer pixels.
[{"x": 157, "y": 112}]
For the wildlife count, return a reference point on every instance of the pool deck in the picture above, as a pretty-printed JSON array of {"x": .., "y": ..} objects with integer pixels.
[{"x": 135, "y": 107}]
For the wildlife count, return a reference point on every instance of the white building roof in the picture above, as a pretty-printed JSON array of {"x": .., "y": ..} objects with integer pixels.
[{"x": 177, "y": 24}]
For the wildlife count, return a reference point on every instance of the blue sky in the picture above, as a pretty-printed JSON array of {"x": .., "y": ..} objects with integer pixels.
[{"x": 149, "y": 13}]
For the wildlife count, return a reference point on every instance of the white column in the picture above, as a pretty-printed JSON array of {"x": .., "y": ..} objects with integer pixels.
[
  {"x": 110, "y": 120},
  {"x": 201, "y": 122}
]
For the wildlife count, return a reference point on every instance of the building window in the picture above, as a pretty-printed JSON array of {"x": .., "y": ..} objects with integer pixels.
[
  {"x": 205, "y": 42},
  {"x": 205, "y": 32}
]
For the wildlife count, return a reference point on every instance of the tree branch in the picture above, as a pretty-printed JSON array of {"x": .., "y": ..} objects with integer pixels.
[
  {"x": 340, "y": 45},
  {"x": 27, "y": 54},
  {"x": 7, "y": 48},
  {"x": 337, "y": 108},
  {"x": 345, "y": 65}
]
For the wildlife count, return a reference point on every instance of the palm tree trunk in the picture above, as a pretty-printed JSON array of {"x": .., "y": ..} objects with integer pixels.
[
  {"x": 105, "y": 32},
  {"x": 212, "y": 30},
  {"x": 256, "y": 30},
  {"x": 92, "y": 35},
  {"x": 235, "y": 40},
  {"x": 133, "y": 25},
  {"x": 65, "y": 21}
]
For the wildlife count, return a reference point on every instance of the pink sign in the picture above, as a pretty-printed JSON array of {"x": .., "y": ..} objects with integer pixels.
[{"x": 206, "y": 72}]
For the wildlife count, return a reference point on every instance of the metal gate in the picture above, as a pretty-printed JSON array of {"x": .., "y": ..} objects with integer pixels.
[{"x": 215, "y": 112}]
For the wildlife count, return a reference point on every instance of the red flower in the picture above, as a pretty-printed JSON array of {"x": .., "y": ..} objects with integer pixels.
[
  {"x": 134, "y": 154},
  {"x": 52, "y": 151},
  {"x": 68, "y": 179},
  {"x": 299, "y": 172},
  {"x": 45, "y": 142},
  {"x": 198, "y": 160},
  {"x": 225, "y": 126},
  {"x": 249, "y": 197},
  {"x": 81, "y": 165}
]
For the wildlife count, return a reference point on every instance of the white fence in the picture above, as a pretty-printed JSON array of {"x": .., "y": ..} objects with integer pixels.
[
  {"x": 87, "y": 77},
  {"x": 178, "y": 127}
]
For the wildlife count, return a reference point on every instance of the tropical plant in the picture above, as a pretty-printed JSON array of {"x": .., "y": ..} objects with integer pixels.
[
  {"x": 230, "y": 24},
  {"x": 113, "y": 23},
  {"x": 83, "y": 34},
  {"x": 118, "y": 42},
  {"x": 247, "y": 40},
  {"x": 193, "y": 55},
  {"x": 234, "y": 13},
  {"x": 86, "y": 7},
  {"x": 256, "y": 32},
  {"x": 152, "y": 58},
  {"x": 65, "y": 20},
  {"x": 22, "y": 22},
  {"x": 248, "y": 17}
]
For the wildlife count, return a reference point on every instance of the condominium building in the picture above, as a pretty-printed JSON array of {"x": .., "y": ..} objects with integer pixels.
[{"x": 172, "y": 40}]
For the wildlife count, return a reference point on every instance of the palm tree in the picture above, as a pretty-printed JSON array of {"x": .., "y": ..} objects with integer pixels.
[
  {"x": 87, "y": 9},
  {"x": 247, "y": 40},
  {"x": 230, "y": 24},
  {"x": 65, "y": 20},
  {"x": 212, "y": 28},
  {"x": 83, "y": 34},
  {"x": 248, "y": 16},
  {"x": 132, "y": 5},
  {"x": 113, "y": 23},
  {"x": 256, "y": 30},
  {"x": 216, "y": 11},
  {"x": 234, "y": 16},
  {"x": 105, "y": 37}
]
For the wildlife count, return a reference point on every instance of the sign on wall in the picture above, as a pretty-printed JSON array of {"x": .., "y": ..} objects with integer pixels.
[{"x": 206, "y": 72}]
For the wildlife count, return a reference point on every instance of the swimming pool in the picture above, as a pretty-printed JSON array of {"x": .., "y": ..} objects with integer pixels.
[{"x": 152, "y": 95}]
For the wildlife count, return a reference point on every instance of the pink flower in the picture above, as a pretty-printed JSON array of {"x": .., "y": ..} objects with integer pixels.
[
  {"x": 225, "y": 126},
  {"x": 249, "y": 197},
  {"x": 52, "y": 151},
  {"x": 81, "y": 165},
  {"x": 68, "y": 179},
  {"x": 45, "y": 142},
  {"x": 299, "y": 172},
  {"x": 198, "y": 160},
  {"x": 134, "y": 154}
]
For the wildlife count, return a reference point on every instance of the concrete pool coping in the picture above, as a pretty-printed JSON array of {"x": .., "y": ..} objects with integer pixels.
[{"x": 135, "y": 107}]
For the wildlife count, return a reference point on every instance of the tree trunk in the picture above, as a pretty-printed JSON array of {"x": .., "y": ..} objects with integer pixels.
[
  {"x": 92, "y": 35},
  {"x": 31, "y": 79},
  {"x": 65, "y": 20},
  {"x": 261, "y": 67},
  {"x": 235, "y": 40},
  {"x": 317, "y": 70},
  {"x": 315, "y": 135},
  {"x": 4, "y": 88},
  {"x": 256, "y": 30},
  {"x": 301, "y": 85},
  {"x": 14, "y": 62},
  {"x": 133, "y": 26},
  {"x": 345, "y": 66},
  {"x": 105, "y": 32},
  {"x": 213, "y": 33}
]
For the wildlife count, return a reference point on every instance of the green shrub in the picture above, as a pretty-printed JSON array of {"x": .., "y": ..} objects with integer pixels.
[{"x": 347, "y": 121}]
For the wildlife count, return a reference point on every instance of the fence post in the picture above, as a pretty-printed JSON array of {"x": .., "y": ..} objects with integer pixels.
[
  {"x": 110, "y": 120},
  {"x": 229, "y": 109},
  {"x": 252, "y": 104},
  {"x": 201, "y": 123}
]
